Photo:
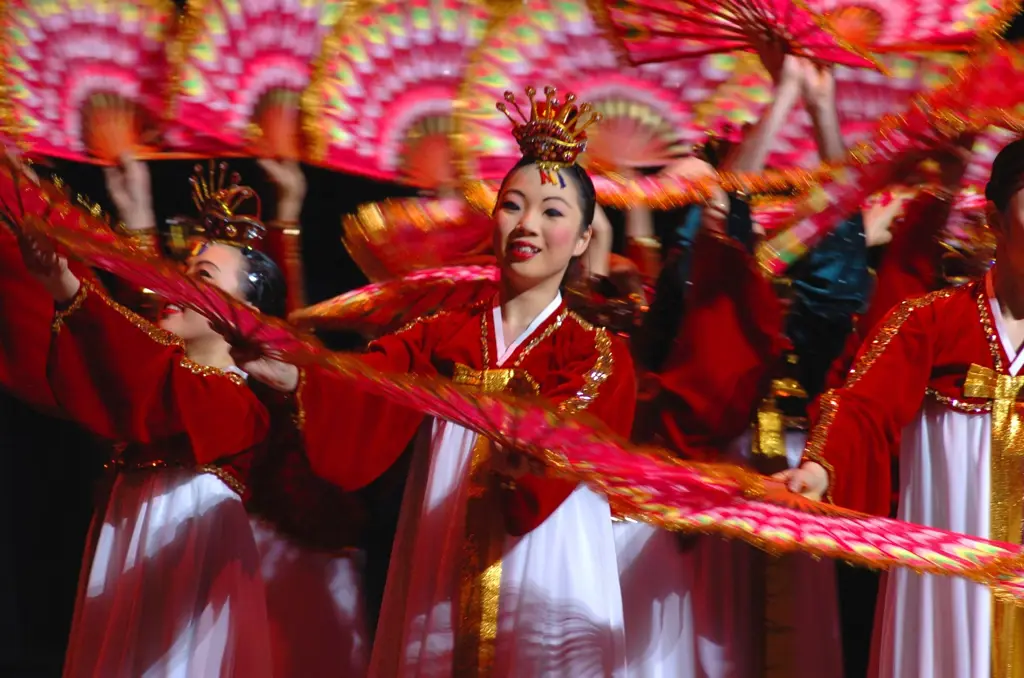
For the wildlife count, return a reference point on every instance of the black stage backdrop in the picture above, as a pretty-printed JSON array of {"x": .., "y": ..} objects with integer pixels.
[{"x": 50, "y": 468}]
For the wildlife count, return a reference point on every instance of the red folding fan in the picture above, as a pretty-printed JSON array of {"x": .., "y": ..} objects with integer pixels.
[
  {"x": 845, "y": 32},
  {"x": 381, "y": 102},
  {"x": 655, "y": 31},
  {"x": 241, "y": 68},
  {"x": 644, "y": 482},
  {"x": 647, "y": 111},
  {"x": 85, "y": 81},
  {"x": 384, "y": 307}
]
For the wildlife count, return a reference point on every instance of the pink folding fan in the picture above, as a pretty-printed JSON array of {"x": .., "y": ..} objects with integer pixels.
[
  {"x": 647, "y": 110},
  {"x": 241, "y": 68},
  {"x": 845, "y": 32},
  {"x": 381, "y": 102},
  {"x": 85, "y": 81}
]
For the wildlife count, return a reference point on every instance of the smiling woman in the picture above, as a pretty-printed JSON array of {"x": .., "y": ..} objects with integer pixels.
[{"x": 497, "y": 569}]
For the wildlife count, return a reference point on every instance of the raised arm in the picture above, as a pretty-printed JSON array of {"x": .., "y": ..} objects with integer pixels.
[
  {"x": 124, "y": 379},
  {"x": 284, "y": 235}
]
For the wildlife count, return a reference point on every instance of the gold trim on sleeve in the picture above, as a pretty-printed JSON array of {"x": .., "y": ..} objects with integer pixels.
[
  {"x": 815, "y": 450},
  {"x": 60, "y": 315}
]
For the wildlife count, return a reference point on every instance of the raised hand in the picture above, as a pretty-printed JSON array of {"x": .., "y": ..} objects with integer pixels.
[
  {"x": 130, "y": 188},
  {"x": 291, "y": 186},
  {"x": 47, "y": 266}
]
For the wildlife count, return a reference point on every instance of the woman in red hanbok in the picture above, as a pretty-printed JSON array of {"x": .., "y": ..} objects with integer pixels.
[
  {"x": 497, "y": 569},
  {"x": 937, "y": 383},
  {"x": 173, "y": 585}
]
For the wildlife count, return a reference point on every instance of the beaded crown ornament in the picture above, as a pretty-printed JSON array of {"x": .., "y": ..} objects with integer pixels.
[
  {"x": 554, "y": 134},
  {"x": 225, "y": 212}
]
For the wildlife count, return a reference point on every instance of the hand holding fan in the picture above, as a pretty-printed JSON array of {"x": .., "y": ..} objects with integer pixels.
[
  {"x": 241, "y": 68},
  {"x": 971, "y": 102},
  {"x": 380, "y": 104},
  {"x": 85, "y": 82}
]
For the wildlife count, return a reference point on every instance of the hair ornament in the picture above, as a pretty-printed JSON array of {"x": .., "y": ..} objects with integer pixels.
[
  {"x": 555, "y": 132},
  {"x": 228, "y": 211}
]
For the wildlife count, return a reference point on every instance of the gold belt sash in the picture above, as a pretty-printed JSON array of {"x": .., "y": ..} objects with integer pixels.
[
  {"x": 480, "y": 572},
  {"x": 1006, "y": 503}
]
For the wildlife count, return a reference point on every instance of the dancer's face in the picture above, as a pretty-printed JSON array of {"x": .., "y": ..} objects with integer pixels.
[
  {"x": 1008, "y": 225},
  {"x": 220, "y": 265},
  {"x": 539, "y": 227}
]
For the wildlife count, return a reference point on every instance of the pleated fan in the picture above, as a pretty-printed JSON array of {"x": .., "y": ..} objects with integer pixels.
[
  {"x": 844, "y": 32},
  {"x": 644, "y": 482},
  {"x": 85, "y": 81},
  {"x": 381, "y": 102},
  {"x": 241, "y": 67},
  {"x": 648, "y": 110}
]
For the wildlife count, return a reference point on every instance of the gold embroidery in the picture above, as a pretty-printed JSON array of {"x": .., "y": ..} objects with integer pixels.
[
  {"x": 221, "y": 472},
  {"x": 815, "y": 450},
  {"x": 300, "y": 407},
  {"x": 957, "y": 404},
  {"x": 165, "y": 338},
  {"x": 1006, "y": 493},
  {"x": 76, "y": 303},
  {"x": 597, "y": 375},
  {"x": 496, "y": 381}
]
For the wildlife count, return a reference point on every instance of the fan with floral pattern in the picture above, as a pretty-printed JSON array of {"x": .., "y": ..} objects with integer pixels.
[
  {"x": 647, "y": 110},
  {"x": 241, "y": 67},
  {"x": 85, "y": 82},
  {"x": 381, "y": 102}
]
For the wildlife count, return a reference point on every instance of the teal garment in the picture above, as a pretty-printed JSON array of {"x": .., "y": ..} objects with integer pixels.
[
  {"x": 831, "y": 285},
  {"x": 653, "y": 342}
]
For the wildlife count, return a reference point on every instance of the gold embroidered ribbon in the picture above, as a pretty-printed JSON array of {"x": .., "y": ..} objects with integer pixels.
[
  {"x": 1006, "y": 512},
  {"x": 480, "y": 580}
]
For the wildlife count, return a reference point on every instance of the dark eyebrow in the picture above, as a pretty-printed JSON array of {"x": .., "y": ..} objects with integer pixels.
[
  {"x": 555, "y": 197},
  {"x": 207, "y": 263}
]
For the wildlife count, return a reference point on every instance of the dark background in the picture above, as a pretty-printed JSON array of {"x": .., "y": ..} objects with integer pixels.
[{"x": 49, "y": 467}]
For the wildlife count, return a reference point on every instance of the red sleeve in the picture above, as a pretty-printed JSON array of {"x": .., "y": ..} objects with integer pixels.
[
  {"x": 857, "y": 427},
  {"x": 27, "y": 312},
  {"x": 124, "y": 379},
  {"x": 352, "y": 437},
  {"x": 601, "y": 382},
  {"x": 727, "y": 345}
]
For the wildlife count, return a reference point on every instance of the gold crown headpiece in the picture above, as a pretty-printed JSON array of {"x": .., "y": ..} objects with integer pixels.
[
  {"x": 224, "y": 211},
  {"x": 554, "y": 134}
]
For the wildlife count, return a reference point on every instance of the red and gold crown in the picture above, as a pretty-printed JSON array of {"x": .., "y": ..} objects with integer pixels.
[
  {"x": 555, "y": 133},
  {"x": 228, "y": 211}
]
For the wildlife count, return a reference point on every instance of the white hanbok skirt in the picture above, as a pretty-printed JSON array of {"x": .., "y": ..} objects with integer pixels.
[
  {"x": 692, "y": 607},
  {"x": 171, "y": 587},
  {"x": 560, "y": 607},
  {"x": 933, "y": 626}
]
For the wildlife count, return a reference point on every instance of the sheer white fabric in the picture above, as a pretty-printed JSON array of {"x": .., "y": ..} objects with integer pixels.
[
  {"x": 314, "y": 607},
  {"x": 560, "y": 611},
  {"x": 172, "y": 587},
  {"x": 691, "y": 606},
  {"x": 939, "y": 626}
]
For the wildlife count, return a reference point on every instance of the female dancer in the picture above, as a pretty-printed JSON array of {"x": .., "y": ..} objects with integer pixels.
[
  {"x": 173, "y": 587},
  {"x": 496, "y": 571}
]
